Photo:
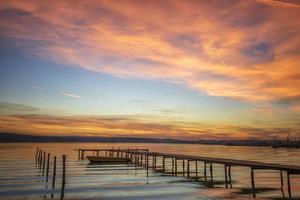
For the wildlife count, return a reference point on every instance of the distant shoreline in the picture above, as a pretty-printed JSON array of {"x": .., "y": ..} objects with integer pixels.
[{"x": 23, "y": 138}]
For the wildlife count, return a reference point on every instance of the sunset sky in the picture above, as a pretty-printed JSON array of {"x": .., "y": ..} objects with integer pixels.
[{"x": 218, "y": 69}]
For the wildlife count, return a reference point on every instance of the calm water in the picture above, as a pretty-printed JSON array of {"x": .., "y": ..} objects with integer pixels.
[{"x": 21, "y": 179}]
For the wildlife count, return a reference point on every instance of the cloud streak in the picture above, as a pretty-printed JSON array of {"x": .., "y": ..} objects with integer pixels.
[
  {"x": 71, "y": 95},
  {"x": 37, "y": 87}
]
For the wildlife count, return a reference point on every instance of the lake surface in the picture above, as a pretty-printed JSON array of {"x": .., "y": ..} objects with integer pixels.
[{"x": 20, "y": 178}]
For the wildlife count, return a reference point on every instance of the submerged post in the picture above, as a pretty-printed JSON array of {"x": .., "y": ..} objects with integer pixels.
[
  {"x": 147, "y": 164},
  {"x": 78, "y": 154},
  {"x": 44, "y": 157},
  {"x": 252, "y": 182},
  {"x": 183, "y": 167},
  {"x": 163, "y": 163},
  {"x": 188, "y": 168},
  {"x": 211, "y": 175},
  {"x": 289, "y": 184},
  {"x": 205, "y": 173},
  {"x": 229, "y": 175},
  {"x": 63, "y": 182},
  {"x": 54, "y": 172},
  {"x": 196, "y": 166},
  {"x": 47, "y": 172},
  {"x": 225, "y": 171},
  {"x": 36, "y": 154}
]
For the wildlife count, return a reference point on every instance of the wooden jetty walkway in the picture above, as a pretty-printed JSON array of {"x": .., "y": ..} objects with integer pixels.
[{"x": 141, "y": 157}]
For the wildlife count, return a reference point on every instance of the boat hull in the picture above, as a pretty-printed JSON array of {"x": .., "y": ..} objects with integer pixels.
[{"x": 102, "y": 159}]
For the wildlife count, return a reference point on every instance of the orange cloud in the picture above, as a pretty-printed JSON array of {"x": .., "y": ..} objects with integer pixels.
[
  {"x": 231, "y": 53},
  {"x": 129, "y": 126},
  {"x": 280, "y": 4}
]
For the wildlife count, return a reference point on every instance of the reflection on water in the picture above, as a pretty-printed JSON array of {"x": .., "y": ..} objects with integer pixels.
[{"x": 20, "y": 178}]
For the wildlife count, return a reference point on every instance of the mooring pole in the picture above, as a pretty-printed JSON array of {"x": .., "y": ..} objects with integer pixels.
[
  {"x": 175, "y": 166},
  {"x": 36, "y": 154},
  {"x": 205, "y": 173},
  {"x": 196, "y": 166},
  {"x": 211, "y": 175},
  {"x": 147, "y": 164},
  {"x": 172, "y": 166},
  {"x": 39, "y": 159},
  {"x": 225, "y": 171},
  {"x": 188, "y": 168},
  {"x": 252, "y": 182},
  {"x": 229, "y": 175},
  {"x": 183, "y": 167},
  {"x": 48, "y": 162},
  {"x": 44, "y": 158},
  {"x": 63, "y": 182},
  {"x": 163, "y": 163},
  {"x": 289, "y": 184},
  {"x": 54, "y": 172}
]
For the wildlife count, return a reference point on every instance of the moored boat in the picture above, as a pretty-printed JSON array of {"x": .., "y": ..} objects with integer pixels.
[{"x": 103, "y": 159}]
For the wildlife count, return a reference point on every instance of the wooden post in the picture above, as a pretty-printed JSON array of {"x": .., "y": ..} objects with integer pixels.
[
  {"x": 172, "y": 166},
  {"x": 147, "y": 165},
  {"x": 44, "y": 158},
  {"x": 225, "y": 171},
  {"x": 48, "y": 162},
  {"x": 64, "y": 169},
  {"x": 163, "y": 163},
  {"x": 289, "y": 184},
  {"x": 54, "y": 172},
  {"x": 205, "y": 173},
  {"x": 63, "y": 177},
  {"x": 78, "y": 154},
  {"x": 98, "y": 153},
  {"x": 211, "y": 175},
  {"x": 229, "y": 175},
  {"x": 175, "y": 166},
  {"x": 183, "y": 167},
  {"x": 188, "y": 168},
  {"x": 196, "y": 166},
  {"x": 39, "y": 159},
  {"x": 82, "y": 154},
  {"x": 36, "y": 155},
  {"x": 252, "y": 182}
]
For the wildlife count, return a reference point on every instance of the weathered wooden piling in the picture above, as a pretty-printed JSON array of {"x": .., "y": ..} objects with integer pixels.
[
  {"x": 196, "y": 167},
  {"x": 47, "y": 170},
  {"x": 205, "y": 172},
  {"x": 54, "y": 172},
  {"x": 211, "y": 175},
  {"x": 289, "y": 184},
  {"x": 226, "y": 176},
  {"x": 36, "y": 155},
  {"x": 253, "y": 182},
  {"x": 63, "y": 181},
  {"x": 188, "y": 168},
  {"x": 40, "y": 159},
  {"x": 44, "y": 158}
]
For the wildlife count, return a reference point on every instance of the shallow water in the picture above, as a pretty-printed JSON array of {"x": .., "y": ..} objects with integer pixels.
[{"x": 20, "y": 178}]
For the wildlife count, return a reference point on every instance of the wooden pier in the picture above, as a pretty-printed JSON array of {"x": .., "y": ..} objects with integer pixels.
[{"x": 140, "y": 157}]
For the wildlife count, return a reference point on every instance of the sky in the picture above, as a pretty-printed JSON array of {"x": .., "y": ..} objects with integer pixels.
[{"x": 218, "y": 69}]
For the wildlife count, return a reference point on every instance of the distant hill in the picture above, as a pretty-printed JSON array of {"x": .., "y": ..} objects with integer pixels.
[{"x": 13, "y": 137}]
